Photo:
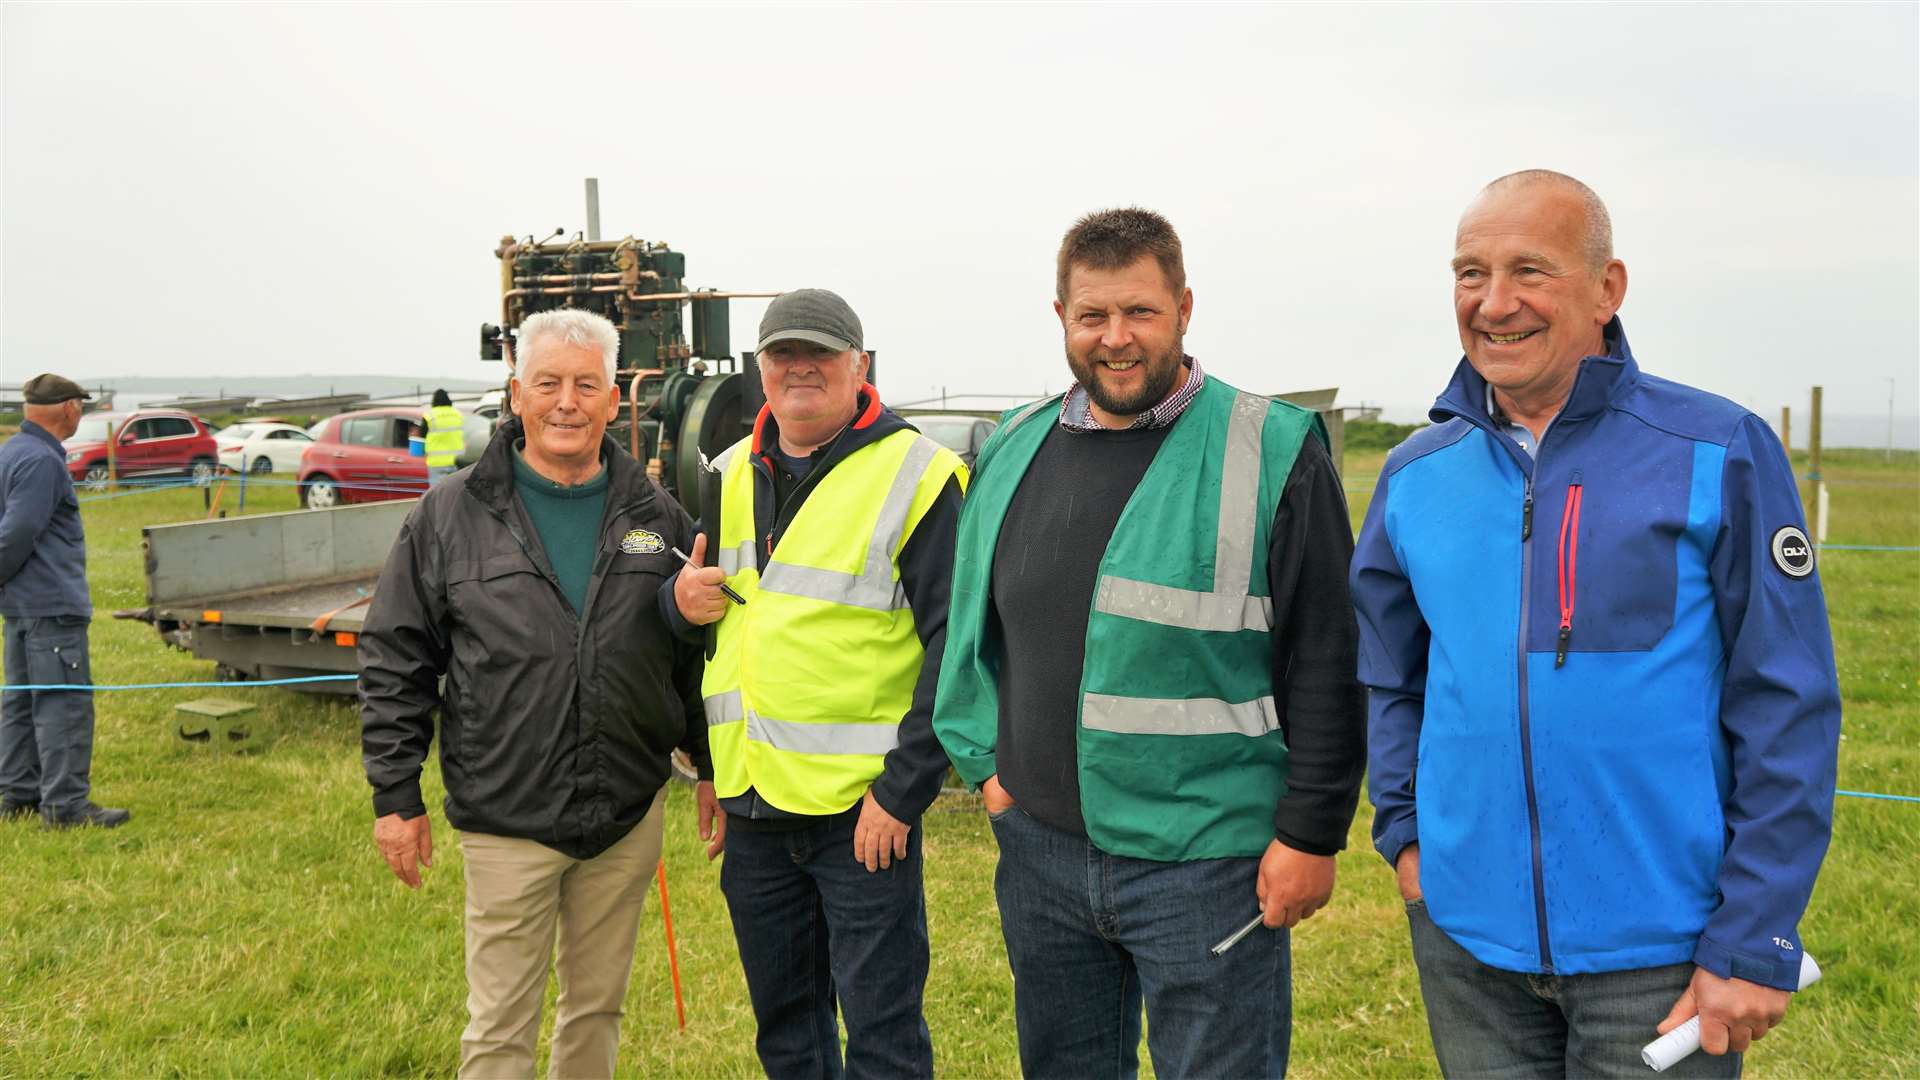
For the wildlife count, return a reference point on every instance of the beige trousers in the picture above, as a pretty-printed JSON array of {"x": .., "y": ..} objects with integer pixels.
[{"x": 519, "y": 893}]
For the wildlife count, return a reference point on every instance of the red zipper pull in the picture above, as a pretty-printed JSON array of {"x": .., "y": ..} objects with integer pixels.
[{"x": 1569, "y": 552}]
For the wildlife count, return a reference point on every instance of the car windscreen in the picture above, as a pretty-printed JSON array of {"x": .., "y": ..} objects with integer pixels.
[
  {"x": 952, "y": 434},
  {"x": 238, "y": 432},
  {"x": 92, "y": 429}
]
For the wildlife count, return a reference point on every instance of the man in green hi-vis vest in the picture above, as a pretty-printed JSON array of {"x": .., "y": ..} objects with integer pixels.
[{"x": 1182, "y": 546}]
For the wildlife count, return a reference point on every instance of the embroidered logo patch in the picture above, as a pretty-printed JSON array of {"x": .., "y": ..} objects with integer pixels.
[
  {"x": 642, "y": 542},
  {"x": 1791, "y": 552}
]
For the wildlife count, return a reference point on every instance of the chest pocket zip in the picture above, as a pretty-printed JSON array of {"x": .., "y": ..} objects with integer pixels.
[{"x": 1569, "y": 553}]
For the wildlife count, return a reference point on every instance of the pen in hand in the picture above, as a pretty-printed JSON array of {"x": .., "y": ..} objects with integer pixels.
[{"x": 688, "y": 559}]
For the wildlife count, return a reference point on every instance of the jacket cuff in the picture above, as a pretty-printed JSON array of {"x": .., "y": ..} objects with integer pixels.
[
  {"x": 702, "y": 766},
  {"x": 1393, "y": 839},
  {"x": 402, "y": 798},
  {"x": 1728, "y": 963},
  {"x": 975, "y": 769}
]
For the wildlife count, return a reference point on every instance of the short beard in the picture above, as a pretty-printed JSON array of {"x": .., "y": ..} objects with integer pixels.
[{"x": 1163, "y": 374}]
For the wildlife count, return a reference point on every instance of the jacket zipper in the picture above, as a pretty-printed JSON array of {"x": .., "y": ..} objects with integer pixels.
[{"x": 1526, "y": 722}]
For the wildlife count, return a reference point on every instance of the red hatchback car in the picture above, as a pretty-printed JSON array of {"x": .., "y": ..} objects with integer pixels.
[
  {"x": 147, "y": 443},
  {"x": 362, "y": 457}
]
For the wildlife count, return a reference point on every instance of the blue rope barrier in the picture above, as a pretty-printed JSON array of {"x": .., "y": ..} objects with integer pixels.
[
  {"x": 180, "y": 685},
  {"x": 1877, "y": 795},
  {"x": 1864, "y": 547}
]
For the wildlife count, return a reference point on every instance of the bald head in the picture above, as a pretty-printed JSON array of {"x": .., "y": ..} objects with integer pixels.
[{"x": 1596, "y": 226}]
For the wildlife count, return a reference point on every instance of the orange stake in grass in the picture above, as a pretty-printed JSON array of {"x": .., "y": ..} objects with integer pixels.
[{"x": 673, "y": 951}]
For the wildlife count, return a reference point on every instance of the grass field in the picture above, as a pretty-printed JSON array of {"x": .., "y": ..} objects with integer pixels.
[{"x": 242, "y": 924}]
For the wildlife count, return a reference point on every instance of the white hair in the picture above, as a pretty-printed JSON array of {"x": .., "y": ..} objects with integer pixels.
[{"x": 570, "y": 326}]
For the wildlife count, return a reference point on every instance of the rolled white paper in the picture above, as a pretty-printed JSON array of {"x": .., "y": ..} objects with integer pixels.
[{"x": 1661, "y": 1053}]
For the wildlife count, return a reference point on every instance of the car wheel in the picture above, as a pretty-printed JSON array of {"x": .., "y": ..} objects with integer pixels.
[
  {"x": 320, "y": 493},
  {"x": 96, "y": 477},
  {"x": 202, "y": 469},
  {"x": 262, "y": 464}
]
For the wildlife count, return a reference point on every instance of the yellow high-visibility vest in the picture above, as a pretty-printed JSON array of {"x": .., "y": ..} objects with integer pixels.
[
  {"x": 446, "y": 436},
  {"x": 809, "y": 679}
]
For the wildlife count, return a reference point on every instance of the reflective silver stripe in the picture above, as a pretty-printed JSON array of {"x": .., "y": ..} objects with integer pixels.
[
  {"x": 1178, "y": 716},
  {"x": 1169, "y": 606},
  {"x": 1227, "y": 606},
  {"x": 875, "y": 587},
  {"x": 733, "y": 558},
  {"x": 724, "y": 708},
  {"x": 802, "y": 738}
]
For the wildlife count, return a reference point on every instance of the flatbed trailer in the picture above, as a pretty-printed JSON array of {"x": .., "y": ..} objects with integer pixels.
[{"x": 272, "y": 596}]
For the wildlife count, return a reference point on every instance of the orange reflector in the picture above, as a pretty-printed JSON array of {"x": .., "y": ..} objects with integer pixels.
[
  {"x": 209, "y": 616},
  {"x": 342, "y": 637}
]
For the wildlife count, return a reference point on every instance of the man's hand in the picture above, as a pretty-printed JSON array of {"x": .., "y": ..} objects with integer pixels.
[
  {"x": 880, "y": 837},
  {"x": 713, "y": 820},
  {"x": 407, "y": 845},
  {"x": 1292, "y": 884},
  {"x": 994, "y": 795},
  {"x": 1733, "y": 1012},
  {"x": 1407, "y": 870},
  {"x": 697, "y": 592}
]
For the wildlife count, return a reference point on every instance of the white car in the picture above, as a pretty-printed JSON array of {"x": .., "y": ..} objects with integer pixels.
[{"x": 262, "y": 446}]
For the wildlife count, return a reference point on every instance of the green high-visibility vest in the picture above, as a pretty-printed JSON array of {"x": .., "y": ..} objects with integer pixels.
[
  {"x": 445, "y": 435},
  {"x": 809, "y": 679},
  {"x": 1180, "y": 751}
]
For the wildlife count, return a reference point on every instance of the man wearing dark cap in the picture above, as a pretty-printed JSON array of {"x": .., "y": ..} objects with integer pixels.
[
  {"x": 835, "y": 526},
  {"x": 46, "y": 736}
]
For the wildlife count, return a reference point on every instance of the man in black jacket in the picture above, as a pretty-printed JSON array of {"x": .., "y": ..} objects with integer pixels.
[
  {"x": 836, "y": 525},
  {"x": 528, "y": 582}
]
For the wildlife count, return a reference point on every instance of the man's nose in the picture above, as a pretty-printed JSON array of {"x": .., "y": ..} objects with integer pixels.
[
  {"x": 1117, "y": 334},
  {"x": 1501, "y": 298}
]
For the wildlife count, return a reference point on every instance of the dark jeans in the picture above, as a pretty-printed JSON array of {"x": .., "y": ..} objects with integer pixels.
[
  {"x": 46, "y": 736},
  {"x": 1089, "y": 934},
  {"x": 813, "y": 925},
  {"x": 1494, "y": 1023}
]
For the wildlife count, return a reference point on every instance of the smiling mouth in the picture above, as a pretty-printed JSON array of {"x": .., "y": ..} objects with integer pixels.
[
  {"x": 1119, "y": 365},
  {"x": 1508, "y": 339}
]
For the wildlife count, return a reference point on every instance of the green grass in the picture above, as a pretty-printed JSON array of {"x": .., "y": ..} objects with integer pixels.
[{"x": 243, "y": 925}]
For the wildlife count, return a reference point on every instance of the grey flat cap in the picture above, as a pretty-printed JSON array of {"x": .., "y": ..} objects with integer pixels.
[
  {"x": 51, "y": 389},
  {"x": 814, "y": 315}
]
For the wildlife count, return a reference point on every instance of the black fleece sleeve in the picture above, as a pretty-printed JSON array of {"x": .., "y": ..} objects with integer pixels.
[
  {"x": 404, "y": 649},
  {"x": 910, "y": 779},
  {"x": 1322, "y": 707}
]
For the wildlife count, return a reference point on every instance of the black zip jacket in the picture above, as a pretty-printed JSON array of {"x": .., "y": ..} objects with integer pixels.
[
  {"x": 554, "y": 727},
  {"x": 913, "y": 771}
]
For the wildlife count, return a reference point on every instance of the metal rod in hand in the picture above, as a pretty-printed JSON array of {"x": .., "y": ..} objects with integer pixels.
[
  {"x": 1234, "y": 938},
  {"x": 731, "y": 595}
]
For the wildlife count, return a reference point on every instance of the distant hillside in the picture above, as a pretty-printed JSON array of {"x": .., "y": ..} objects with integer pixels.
[{"x": 289, "y": 385}]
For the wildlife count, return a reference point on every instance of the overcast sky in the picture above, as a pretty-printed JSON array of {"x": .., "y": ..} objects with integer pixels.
[{"x": 281, "y": 189}]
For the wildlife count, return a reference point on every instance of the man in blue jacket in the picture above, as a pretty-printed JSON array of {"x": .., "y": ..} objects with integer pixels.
[
  {"x": 46, "y": 736},
  {"x": 1589, "y": 615}
]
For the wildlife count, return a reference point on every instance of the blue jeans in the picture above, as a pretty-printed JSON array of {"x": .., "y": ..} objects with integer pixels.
[
  {"x": 1494, "y": 1023},
  {"x": 46, "y": 736},
  {"x": 813, "y": 927},
  {"x": 1089, "y": 934}
]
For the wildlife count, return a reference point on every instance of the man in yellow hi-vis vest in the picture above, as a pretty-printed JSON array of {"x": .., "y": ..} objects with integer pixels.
[
  {"x": 446, "y": 437},
  {"x": 836, "y": 527}
]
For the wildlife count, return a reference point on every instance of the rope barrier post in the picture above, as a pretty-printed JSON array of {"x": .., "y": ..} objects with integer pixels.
[{"x": 673, "y": 950}]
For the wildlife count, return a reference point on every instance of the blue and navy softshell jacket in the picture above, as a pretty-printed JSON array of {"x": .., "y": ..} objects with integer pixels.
[{"x": 1599, "y": 700}]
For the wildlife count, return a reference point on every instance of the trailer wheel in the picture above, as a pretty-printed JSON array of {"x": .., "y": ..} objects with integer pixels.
[{"x": 320, "y": 493}]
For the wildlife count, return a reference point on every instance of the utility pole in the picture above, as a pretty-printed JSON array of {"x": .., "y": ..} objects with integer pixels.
[
  {"x": 1817, "y": 487},
  {"x": 1889, "y": 419},
  {"x": 1786, "y": 429},
  {"x": 593, "y": 208}
]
